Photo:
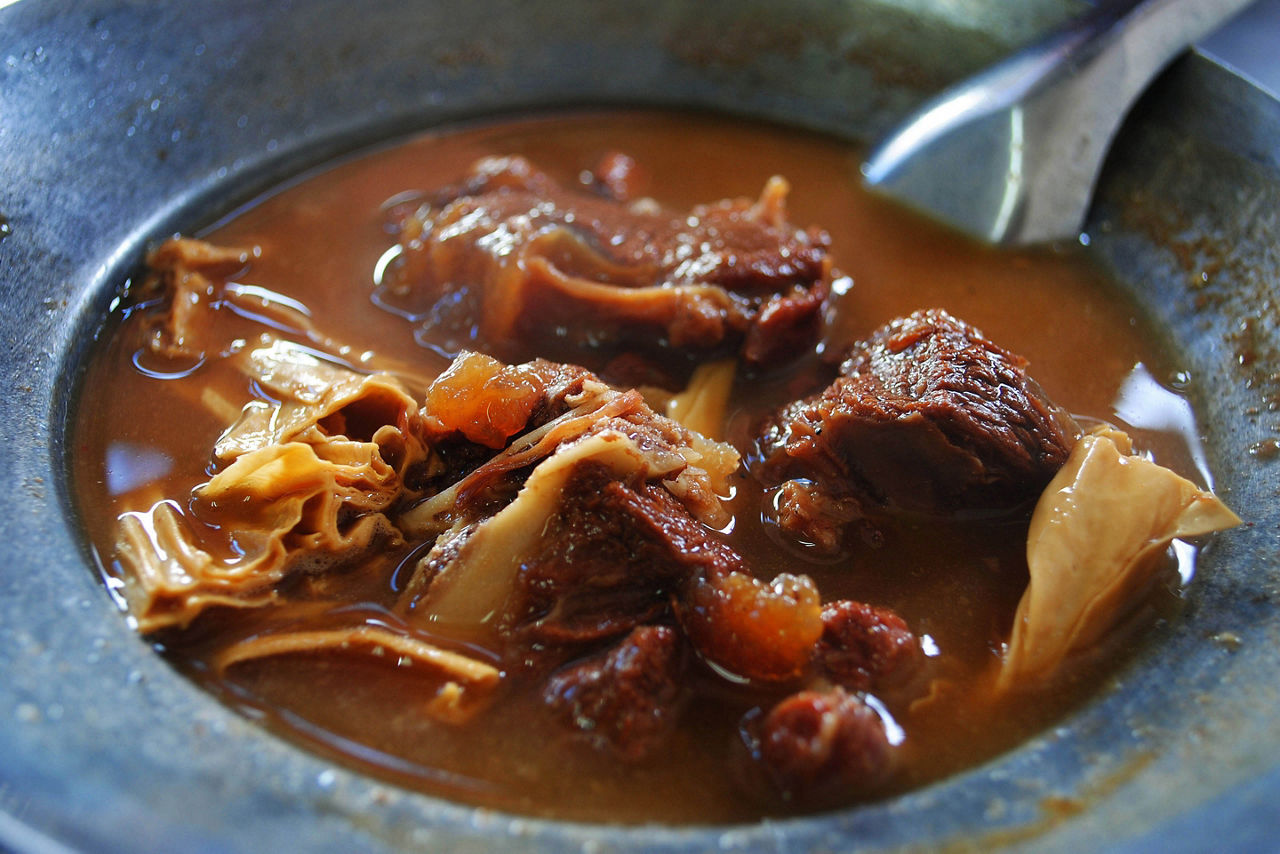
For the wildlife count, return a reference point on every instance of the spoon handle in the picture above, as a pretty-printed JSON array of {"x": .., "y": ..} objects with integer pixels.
[{"x": 1011, "y": 155}]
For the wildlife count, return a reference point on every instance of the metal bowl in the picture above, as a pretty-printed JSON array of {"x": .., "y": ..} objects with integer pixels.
[{"x": 124, "y": 122}]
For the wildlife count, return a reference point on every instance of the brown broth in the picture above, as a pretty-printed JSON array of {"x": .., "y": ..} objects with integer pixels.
[{"x": 141, "y": 436}]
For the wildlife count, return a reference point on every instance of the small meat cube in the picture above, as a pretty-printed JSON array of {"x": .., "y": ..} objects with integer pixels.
[
  {"x": 625, "y": 699},
  {"x": 786, "y": 324},
  {"x": 863, "y": 646},
  {"x": 814, "y": 746},
  {"x": 813, "y": 516}
]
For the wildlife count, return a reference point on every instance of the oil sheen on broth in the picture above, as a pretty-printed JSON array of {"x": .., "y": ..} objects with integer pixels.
[{"x": 146, "y": 427}]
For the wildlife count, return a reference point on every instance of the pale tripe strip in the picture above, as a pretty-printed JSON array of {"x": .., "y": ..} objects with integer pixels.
[
  {"x": 701, "y": 406},
  {"x": 434, "y": 515},
  {"x": 474, "y": 588},
  {"x": 170, "y": 579},
  {"x": 465, "y": 684},
  {"x": 1094, "y": 539},
  {"x": 287, "y": 504},
  {"x": 309, "y": 389}
]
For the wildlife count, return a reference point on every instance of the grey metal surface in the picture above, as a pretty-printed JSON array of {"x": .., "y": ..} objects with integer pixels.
[
  {"x": 124, "y": 121},
  {"x": 1250, "y": 45},
  {"x": 1011, "y": 155}
]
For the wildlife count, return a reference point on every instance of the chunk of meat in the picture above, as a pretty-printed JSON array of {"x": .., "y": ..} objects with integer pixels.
[
  {"x": 489, "y": 402},
  {"x": 484, "y": 400},
  {"x": 578, "y": 530},
  {"x": 785, "y": 325},
  {"x": 692, "y": 467},
  {"x": 816, "y": 517},
  {"x": 577, "y": 274},
  {"x": 478, "y": 404},
  {"x": 864, "y": 646},
  {"x": 818, "y": 746},
  {"x": 625, "y": 699},
  {"x": 610, "y": 559},
  {"x": 926, "y": 416}
]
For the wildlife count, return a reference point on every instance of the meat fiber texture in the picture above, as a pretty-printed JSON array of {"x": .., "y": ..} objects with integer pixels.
[
  {"x": 926, "y": 416},
  {"x": 588, "y": 271}
]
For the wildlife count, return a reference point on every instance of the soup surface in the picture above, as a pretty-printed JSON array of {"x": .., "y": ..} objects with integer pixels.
[{"x": 322, "y": 254}]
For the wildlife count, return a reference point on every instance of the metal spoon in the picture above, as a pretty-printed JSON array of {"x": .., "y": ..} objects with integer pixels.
[{"x": 1011, "y": 155}]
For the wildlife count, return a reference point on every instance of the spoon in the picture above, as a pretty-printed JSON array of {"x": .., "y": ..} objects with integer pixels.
[{"x": 1011, "y": 155}]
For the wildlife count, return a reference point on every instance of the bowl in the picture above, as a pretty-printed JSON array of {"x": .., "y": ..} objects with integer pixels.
[{"x": 126, "y": 122}]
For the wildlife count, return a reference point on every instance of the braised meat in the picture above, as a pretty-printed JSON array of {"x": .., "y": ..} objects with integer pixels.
[
  {"x": 625, "y": 699},
  {"x": 818, "y": 746},
  {"x": 865, "y": 647},
  {"x": 926, "y": 416},
  {"x": 610, "y": 559},
  {"x": 485, "y": 529},
  {"x": 587, "y": 273},
  {"x": 487, "y": 402}
]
